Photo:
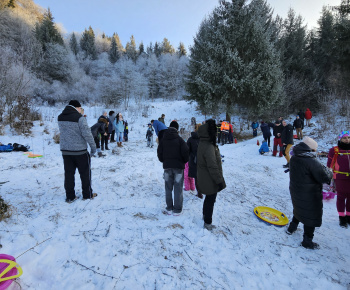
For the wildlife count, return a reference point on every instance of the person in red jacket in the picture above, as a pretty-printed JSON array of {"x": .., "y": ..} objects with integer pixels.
[
  {"x": 339, "y": 162},
  {"x": 308, "y": 116}
]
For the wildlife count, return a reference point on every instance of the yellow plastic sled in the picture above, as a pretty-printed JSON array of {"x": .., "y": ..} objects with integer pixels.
[{"x": 271, "y": 215}]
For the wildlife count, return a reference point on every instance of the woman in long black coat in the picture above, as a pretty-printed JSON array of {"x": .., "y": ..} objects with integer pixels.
[
  {"x": 307, "y": 175},
  {"x": 192, "y": 144}
]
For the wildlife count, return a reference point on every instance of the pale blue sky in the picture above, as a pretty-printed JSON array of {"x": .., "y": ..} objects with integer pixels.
[{"x": 152, "y": 20}]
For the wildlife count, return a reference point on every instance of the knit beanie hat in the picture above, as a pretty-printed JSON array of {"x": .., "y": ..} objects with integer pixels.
[
  {"x": 344, "y": 134},
  {"x": 310, "y": 142},
  {"x": 74, "y": 103},
  {"x": 175, "y": 125}
]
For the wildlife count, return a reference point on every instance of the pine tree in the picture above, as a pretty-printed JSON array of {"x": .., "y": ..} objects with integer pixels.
[
  {"x": 46, "y": 31},
  {"x": 157, "y": 49},
  {"x": 181, "y": 50},
  {"x": 167, "y": 47},
  {"x": 11, "y": 4},
  {"x": 113, "y": 52},
  {"x": 234, "y": 60},
  {"x": 73, "y": 44},
  {"x": 119, "y": 44},
  {"x": 141, "y": 48},
  {"x": 130, "y": 49},
  {"x": 87, "y": 44},
  {"x": 150, "y": 49}
]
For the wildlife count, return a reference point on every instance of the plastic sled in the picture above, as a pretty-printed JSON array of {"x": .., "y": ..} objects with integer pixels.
[
  {"x": 295, "y": 136},
  {"x": 328, "y": 194},
  {"x": 271, "y": 215},
  {"x": 9, "y": 270},
  {"x": 31, "y": 155}
]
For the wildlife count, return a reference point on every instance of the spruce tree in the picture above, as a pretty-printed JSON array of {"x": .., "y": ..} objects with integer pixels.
[
  {"x": 141, "y": 48},
  {"x": 73, "y": 44},
  {"x": 46, "y": 31},
  {"x": 87, "y": 44},
  {"x": 157, "y": 49},
  {"x": 234, "y": 60},
  {"x": 113, "y": 54},
  {"x": 150, "y": 49}
]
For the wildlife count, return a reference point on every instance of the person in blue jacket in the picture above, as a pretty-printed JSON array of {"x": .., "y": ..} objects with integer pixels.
[
  {"x": 264, "y": 148},
  {"x": 255, "y": 126},
  {"x": 265, "y": 129},
  {"x": 159, "y": 128}
]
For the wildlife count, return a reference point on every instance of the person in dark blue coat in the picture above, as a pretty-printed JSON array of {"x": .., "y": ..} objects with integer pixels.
[
  {"x": 255, "y": 126},
  {"x": 265, "y": 129}
]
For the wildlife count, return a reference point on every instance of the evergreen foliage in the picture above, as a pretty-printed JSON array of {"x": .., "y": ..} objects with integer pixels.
[
  {"x": 46, "y": 31},
  {"x": 73, "y": 44},
  {"x": 141, "y": 48},
  {"x": 233, "y": 60},
  {"x": 87, "y": 44},
  {"x": 113, "y": 52}
]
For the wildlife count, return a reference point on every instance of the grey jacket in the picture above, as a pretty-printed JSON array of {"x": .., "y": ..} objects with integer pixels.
[{"x": 74, "y": 133}]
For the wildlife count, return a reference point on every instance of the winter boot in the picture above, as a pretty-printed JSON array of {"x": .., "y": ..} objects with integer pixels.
[
  {"x": 106, "y": 147},
  {"x": 120, "y": 144},
  {"x": 199, "y": 195},
  {"x": 309, "y": 244},
  {"x": 209, "y": 227},
  {"x": 343, "y": 221},
  {"x": 286, "y": 166},
  {"x": 100, "y": 154},
  {"x": 292, "y": 228},
  {"x": 348, "y": 219},
  {"x": 102, "y": 147}
]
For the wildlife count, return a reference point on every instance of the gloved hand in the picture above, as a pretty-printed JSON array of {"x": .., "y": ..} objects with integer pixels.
[{"x": 221, "y": 185}]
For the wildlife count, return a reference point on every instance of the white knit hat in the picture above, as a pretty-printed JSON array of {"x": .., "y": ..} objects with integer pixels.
[{"x": 310, "y": 142}]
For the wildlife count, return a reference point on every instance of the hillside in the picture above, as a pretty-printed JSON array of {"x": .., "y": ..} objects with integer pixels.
[{"x": 121, "y": 239}]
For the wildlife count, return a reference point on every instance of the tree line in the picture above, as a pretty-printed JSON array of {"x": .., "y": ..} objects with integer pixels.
[{"x": 243, "y": 57}]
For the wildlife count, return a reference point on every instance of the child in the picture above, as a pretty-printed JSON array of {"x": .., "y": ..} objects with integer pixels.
[
  {"x": 149, "y": 136},
  {"x": 264, "y": 148},
  {"x": 189, "y": 181}
]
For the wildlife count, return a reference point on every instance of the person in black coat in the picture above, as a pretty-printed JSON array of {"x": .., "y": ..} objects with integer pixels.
[
  {"x": 287, "y": 140},
  {"x": 277, "y": 141},
  {"x": 100, "y": 128},
  {"x": 301, "y": 115},
  {"x": 298, "y": 125},
  {"x": 265, "y": 129},
  {"x": 307, "y": 175},
  {"x": 173, "y": 153},
  {"x": 192, "y": 144}
]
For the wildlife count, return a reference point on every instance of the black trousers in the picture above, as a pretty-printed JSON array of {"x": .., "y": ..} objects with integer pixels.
[
  {"x": 97, "y": 142},
  {"x": 208, "y": 207},
  {"x": 83, "y": 163},
  {"x": 112, "y": 135},
  {"x": 308, "y": 231},
  {"x": 224, "y": 137}
]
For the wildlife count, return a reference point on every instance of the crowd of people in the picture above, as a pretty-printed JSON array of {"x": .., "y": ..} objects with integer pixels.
[{"x": 198, "y": 164}]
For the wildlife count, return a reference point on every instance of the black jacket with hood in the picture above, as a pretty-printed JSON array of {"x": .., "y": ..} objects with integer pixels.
[
  {"x": 307, "y": 175},
  {"x": 172, "y": 150},
  {"x": 192, "y": 144}
]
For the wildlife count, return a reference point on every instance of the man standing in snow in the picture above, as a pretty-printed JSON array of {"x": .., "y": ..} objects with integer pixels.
[
  {"x": 287, "y": 140},
  {"x": 299, "y": 126},
  {"x": 173, "y": 152},
  {"x": 74, "y": 136}
]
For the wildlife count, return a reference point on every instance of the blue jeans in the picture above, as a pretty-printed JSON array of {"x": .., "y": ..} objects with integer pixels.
[
  {"x": 119, "y": 136},
  {"x": 174, "y": 178}
]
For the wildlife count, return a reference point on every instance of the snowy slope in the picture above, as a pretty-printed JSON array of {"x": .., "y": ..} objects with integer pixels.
[{"x": 121, "y": 239}]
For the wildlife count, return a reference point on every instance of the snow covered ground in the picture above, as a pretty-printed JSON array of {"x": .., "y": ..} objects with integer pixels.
[{"x": 121, "y": 239}]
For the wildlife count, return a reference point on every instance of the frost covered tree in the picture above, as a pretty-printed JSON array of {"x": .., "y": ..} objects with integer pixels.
[
  {"x": 47, "y": 32},
  {"x": 87, "y": 44},
  {"x": 73, "y": 44},
  {"x": 56, "y": 64},
  {"x": 234, "y": 59}
]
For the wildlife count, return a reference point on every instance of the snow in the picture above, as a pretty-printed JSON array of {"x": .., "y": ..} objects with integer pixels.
[{"x": 122, "y": 240}]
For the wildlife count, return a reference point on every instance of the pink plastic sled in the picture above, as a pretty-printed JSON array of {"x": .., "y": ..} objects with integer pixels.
[
  {"x": 9, "y": 270},
  {"x": 328, "y": 194}
]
